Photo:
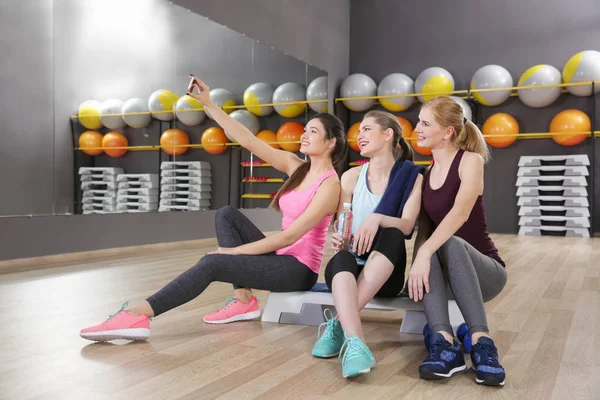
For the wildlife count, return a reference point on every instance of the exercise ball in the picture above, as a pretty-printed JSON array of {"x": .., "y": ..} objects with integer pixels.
[
  {"x": 247, "y": 119},
  {"x": 406, "y": 126},
  {"x": 161, "y": 104},
  {"x": 424, "y": 151},
  {"x": 183, "y": 111},
  {"x": 256, "y": 95},
  {"x": 570, "y": 121},
  {"x": 213, "y": 140},
  {"x": 467, "y": 112},
  {"x": 114, "y": 139},
  {"x": 539, "y": 75},
  {"x": 90, "y": 140},
  {"x": 89, "y": 114},
  {"x": 268, "y": 137},
  {"x": 396, "y": 84},
  {"x": 174, "y": 137},
  {"x": 500, "y": 124},
  {"x": 110, "y": 114},
  {"x": 288, "y": 92},
  {"x": 222, "y": 98},
  {"x": 290, "y": 132},
  {"x": 136, "y": 113},
  {"x": 582, "y": 67},
  {"x": 433, "y": 82},
  {"x": 358, "y": 85},
  {"x": 317, "y": 90},
  {"x": 351, "y": 136},
  {"x": 492, "y": 77}
]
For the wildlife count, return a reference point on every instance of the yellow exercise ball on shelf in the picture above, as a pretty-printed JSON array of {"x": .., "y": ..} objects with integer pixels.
[
  {"x": 89, "y": 114},
  {"x": 434, "y": 82},
  {"x": 492, "y": 77},
  {"x": 161, "y": 104},
  {"x": 256, "y": 95},
  {"x": 540, "y": 75},
  {"x": 583, "y": 67}
]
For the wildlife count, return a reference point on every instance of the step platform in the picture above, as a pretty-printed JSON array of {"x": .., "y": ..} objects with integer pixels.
[
  {"x": 555, "y": 211},
  {"x": 544, "y": 191},
  {"x": 541, "y": 181},
  {"x": 554, "y": 160},
  {"x": 186, "y": 195},
  {"x": 565, "y": 222},
  {"x": 185, "y": 202},
  {"x": 99, "y": 186},
  {"x": 137, "y": 199},
  {"x": 195, "y": 165},
  {"x": 138, "y": 192},
  {"x": 554, "y": 231},
  {"x": 171, "y": 180},
  {"x": 177, "y": 208},
  {"x": 553, "y": 171},
  {"x": 184, "y": 187},
  {"x": 99, "y": 193},
  {"x": 186, "y": 173},
  {"x": 98, "y": 178},
  {"x": 99, "y": 207},
  {"x": 139, "y": 207},
  {"x": 137, "y": 185},
  {"x": 100, "y": 171},
  {"x": 99, "y": 201},
  {"x": 139, "y": 178},
  {"x": 559, "y": 201}
]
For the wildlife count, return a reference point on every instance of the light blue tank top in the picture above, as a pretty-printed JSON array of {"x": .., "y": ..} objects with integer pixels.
[{"x": 363, "y": 203}]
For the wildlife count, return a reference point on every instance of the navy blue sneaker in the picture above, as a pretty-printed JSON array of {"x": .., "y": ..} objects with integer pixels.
[
  {"x": 484, "y": 358},
  {"x": 444, "y": 359}
]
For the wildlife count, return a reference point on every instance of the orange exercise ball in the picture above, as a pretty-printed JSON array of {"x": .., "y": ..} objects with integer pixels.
[
  {"x": 114, "y": 139},
  {"x": 213, "y": 140},
  {"x": 269, "y": 137},
  {"x": 290, "y": 132},
  {"x": 351, "y": 136},
  {"x": 174, "y": 137},
  {"x": 90, "y": 139},
  {"x": 424, "y": 151},
  {"x": 407, "y": 127},
  {"x": 570, "y": 121},
  {"x": 500, "y": 124}
]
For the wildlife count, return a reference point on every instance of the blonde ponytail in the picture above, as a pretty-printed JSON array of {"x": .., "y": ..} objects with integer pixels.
[{"x": 471, "y": 139}]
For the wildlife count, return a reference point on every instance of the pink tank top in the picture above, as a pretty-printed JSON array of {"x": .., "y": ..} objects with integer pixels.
[{"x": 309, "y": 248}]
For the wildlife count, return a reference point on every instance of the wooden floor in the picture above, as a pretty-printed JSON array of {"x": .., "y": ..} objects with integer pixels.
[{"x": 546, "y": 324}]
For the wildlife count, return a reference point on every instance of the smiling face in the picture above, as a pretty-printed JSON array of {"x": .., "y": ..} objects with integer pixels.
[
  {"x": 372, "y": 139},
  {"x": 430, "y": 133},
  {"x": 313, "y": 141}
]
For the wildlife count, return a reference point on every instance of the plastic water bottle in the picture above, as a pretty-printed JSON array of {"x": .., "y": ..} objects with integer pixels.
[{"x": 344, "y": 225}]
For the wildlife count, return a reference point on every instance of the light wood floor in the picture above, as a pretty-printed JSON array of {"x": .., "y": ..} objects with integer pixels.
[{"x": 546, "y": 324}]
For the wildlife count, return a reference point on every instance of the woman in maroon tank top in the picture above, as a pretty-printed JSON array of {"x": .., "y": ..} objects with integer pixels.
[{"x": 453, "y": 248}]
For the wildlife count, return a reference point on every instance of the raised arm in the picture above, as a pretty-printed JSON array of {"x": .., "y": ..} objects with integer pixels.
[{"x": 281, "y": 160}]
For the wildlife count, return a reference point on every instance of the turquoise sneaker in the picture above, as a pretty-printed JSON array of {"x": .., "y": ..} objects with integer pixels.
[
  {"x": 357, "y": 359},
  {"x": 330, "y": 343}
]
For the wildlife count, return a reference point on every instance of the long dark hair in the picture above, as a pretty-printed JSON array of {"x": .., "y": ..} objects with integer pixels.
[
  {"x": 334, "y": 129},
  {"x": 389, "y": 121}
]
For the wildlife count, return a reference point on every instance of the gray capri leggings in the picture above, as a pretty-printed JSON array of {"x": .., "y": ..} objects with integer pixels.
[{"x": 474, "y": 278}]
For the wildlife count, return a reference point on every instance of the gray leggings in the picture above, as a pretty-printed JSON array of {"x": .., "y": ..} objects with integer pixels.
[
  {"x": 474, "y": 278},
  {"x": 272, "y": 272}
]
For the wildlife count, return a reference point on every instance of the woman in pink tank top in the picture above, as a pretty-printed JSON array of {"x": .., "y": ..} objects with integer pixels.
[{"x": 283, "y": 262}]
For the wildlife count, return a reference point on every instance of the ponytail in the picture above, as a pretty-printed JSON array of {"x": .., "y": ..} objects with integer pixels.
[
  {"x": 471, "y": 139},
  {"x": 400, "y": 149}
]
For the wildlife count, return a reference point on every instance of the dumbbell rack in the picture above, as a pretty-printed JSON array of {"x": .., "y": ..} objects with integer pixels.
[{"x": 552, "y": 195}]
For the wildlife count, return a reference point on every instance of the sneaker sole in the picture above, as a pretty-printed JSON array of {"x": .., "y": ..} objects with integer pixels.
[
  {"x": 362, "y": 371},
  {"x": 326, "y": 355},
  {"x": 491, "y": 381},
  {"x": 239, "y": 317},
  {"x": 126, "y": 334},
  {"x": 432, "y": 376}
]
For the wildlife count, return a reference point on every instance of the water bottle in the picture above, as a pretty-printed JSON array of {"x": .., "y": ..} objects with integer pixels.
[{"x": 344, "y": 225}]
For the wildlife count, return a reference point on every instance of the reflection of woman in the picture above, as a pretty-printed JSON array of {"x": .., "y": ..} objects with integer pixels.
[
  {"x": 453, "y": 247},
  {"x": 286, "y": 261},
  {"x": 375, "y": 265}
]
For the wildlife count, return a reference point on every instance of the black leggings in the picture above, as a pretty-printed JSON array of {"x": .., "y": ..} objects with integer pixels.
[
  {"x": 272, "y": 272},
  {"x": 390, "y": 243}
]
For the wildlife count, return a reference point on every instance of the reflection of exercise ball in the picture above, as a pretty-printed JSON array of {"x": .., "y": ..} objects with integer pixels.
[
  {"x": 583, "y": 67},
  {"x": 500, "y": 124},
  {"x": 351, "y": 136},
  {"x": 317, "y": 90},
  {"x": 213, "y": 139},
  {"x": 467, "y": 112},
  {"x": 135, "y": 106},
  {"x": 269, "y": 137},
  {"x": 536, "y": 76},
  {"x": 161, "y": 104},
  {"x": 406, "y": 126},
  {"x": 288, "y": 92},
  {"x": 174, "y": 137},
  {"x": 109, "y": 107},
  {"x": 396, "y": 84},
  {"x": 570, "y": 121},
  {"x": 222, "y": 98},
  {"x": 424, "y": 151},
  {"x": 290, "y": 132},
  {"x": 433, "y": 82},
  {"x": 114, "y": 139},
  {"x": 90, "y": 139},
  {"x": 256, "y": 95},
  {"x": 492, "y": 77},
  {"x": 89, "y": 114},
  {"x": 247, "y": 119},
  {"x": 358, "y": 85},
  {"x": 186, "y": 117}
]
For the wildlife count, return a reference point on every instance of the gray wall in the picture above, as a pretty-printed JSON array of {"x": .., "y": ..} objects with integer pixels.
[
  {"x": 408, "y": 37},
  {"x": 163, "y": 45}
]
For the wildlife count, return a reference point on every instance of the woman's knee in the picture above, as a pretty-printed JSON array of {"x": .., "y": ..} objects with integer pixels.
[
  {"x": 226, "y": 212},
  {"x": 391, "y": 244},
  {"x": 453, "y": 246},
  {"x": 342, "y": 261}
]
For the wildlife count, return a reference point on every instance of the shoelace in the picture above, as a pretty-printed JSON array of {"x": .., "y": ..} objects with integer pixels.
[
  {"x": 118, "y": 312},
  {"x": 329, "y": 324},
  {"x": 353, "y": 349},
  {"x": 433, "y": 350},
  {"x": 229, "y": 301},
  {"x": 489, "y": 354}
]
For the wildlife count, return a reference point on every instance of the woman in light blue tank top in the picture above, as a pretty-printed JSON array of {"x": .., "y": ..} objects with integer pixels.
[{"x": 376, "y": 261}]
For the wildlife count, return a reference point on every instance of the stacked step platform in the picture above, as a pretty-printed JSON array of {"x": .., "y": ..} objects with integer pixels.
[
  {"x": 99, "y": 186},
  {"x": 185, "y": 186},
  {"x": 137, "y": 193}
]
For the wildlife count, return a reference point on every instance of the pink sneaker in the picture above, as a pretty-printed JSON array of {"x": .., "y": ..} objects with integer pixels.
[
  {"x": 119, "y": 326},
  {"x": 234, "y": 310}
]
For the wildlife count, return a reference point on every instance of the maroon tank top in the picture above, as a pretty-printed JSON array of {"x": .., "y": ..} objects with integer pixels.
[{"x": 438, "y": 203}]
